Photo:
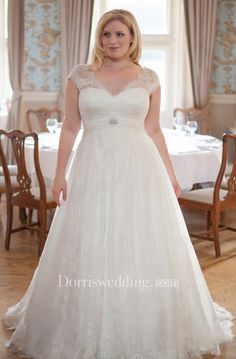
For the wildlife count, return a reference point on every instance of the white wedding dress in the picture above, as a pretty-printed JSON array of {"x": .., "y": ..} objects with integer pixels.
[{"x": 122, "y": 224}]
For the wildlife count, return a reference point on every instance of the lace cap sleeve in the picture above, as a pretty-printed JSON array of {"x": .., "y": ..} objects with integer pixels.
[
  {"x": 80, "y": 76},
  {"x": 150, "y": 80}
]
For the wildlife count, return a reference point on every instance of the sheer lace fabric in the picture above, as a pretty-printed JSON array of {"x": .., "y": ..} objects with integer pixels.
[
  {"x": 122, "y": 221},
  {"x": 84, "y": 77}
]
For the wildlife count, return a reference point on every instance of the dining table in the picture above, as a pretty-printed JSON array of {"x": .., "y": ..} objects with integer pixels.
[
  {"x": 3, "y": 119},
  {"x": 195, "y": 158}
]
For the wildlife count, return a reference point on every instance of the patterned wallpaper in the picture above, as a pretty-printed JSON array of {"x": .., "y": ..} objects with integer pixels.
[
  {"x": 42, "y": 45},
  {"x": 224, "y": 64}
]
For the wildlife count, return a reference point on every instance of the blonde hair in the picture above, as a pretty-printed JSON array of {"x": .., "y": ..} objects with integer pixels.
[{"x": 128, "y": 19}]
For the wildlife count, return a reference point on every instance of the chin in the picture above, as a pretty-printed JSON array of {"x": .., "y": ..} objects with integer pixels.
[{"x": 116, "y": 56}]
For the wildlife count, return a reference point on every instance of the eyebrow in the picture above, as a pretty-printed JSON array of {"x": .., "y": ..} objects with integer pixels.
[{"x": 115, "y": 31}]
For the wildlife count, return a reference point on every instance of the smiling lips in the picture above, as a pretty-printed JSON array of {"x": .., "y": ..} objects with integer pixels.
[{"x": 113, "y": 48}]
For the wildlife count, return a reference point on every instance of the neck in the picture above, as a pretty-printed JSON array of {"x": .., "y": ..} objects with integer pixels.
[{"x": 109, "y": 62}]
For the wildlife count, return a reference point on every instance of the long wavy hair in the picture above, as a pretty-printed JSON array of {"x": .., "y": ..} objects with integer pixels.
[{"x": 128, "y": 19}]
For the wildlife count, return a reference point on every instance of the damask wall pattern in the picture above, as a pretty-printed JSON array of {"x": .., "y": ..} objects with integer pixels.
[
  {"x": 42, "y": 45},
  {"x": 224, "y": 63}
]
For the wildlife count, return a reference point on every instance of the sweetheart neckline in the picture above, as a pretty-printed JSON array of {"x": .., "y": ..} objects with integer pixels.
[
  {"x": 129, "y": 84},
  {"x": 119, "y": 93}
]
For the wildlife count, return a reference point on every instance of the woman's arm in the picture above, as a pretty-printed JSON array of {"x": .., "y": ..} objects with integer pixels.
[
  {"x": 153, "y": 129},
  {"x": 70, "y": 129}
]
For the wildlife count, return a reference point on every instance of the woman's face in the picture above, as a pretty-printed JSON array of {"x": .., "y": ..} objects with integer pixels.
[{"x": 116, "y": 39}]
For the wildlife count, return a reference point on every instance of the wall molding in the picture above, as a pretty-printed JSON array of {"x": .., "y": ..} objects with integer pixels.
[
  {"x": 30, "y": 96},
  {"x": 54, "y": 96},
  {"x": 223, "y": 99}
]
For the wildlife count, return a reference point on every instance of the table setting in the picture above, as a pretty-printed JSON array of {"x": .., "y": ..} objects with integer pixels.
[
  {"x": 185, "y": 143},
  {"x": 48, "y": 143},
  {"x": 196, "y": 158}
]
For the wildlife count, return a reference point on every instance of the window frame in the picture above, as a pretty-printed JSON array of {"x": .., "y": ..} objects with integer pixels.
[{"x": 172, "y": 44}]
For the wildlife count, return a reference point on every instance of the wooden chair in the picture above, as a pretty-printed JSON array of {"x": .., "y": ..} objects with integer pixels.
[
  {"x": 13, "y": 173},
  {"x": 27, "y": 196},
  {"x": 199, "y": 115},
  {"x": 215, "y": 200},
  {"x": 36, "y": 119},
  {"x": 15, "y": 187}
]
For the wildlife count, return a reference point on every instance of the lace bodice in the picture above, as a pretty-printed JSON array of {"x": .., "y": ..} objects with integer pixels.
[
  {"x": 83, "y": 77},
  {"x": 99, "y": 108}
]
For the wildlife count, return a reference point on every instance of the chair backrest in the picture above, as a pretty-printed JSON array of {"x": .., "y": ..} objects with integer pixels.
[
  {"x": 24, "y": 195},
  {"x": 199, "y": 115},
  {"x": 36, "y": 119},
  {"x": 228, "y": 139},
  {"x": 13, "y": 173}
]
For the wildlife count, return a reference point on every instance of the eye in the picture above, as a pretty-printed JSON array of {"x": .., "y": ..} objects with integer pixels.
[
  {"x": 106, "y": 34},
  {"x": 120, "y": 34}
]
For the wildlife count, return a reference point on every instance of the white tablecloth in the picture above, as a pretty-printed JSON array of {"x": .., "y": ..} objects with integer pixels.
[
  {"x": 3, "y": 120},
  {"x": 196, "y": 158},
  {"x": 48, "y": 146}
]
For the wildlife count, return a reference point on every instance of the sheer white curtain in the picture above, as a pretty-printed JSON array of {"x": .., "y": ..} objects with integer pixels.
[
  {"x": 16, "y": 65},
  {"x": 183, "y": 91},
  {"x": 5, "y": 88}
]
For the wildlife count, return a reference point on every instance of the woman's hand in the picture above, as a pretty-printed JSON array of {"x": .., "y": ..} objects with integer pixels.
[
  {"x": 59, "y": 185},
  {"x": 176, "y": 186}
]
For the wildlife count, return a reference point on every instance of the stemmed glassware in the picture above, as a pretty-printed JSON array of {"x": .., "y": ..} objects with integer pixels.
[
  {"x": 51, "y": 124},
  {"x": 192, "y": 124},
  {"x": 179, "y": 124},
  {"x": 191, "y": 127}
]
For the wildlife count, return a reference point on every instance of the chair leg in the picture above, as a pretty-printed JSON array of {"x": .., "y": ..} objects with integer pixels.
[
  {"x": 30, "y": 216},
  {"x": 223, "y": 217},
  {"x": 22, "y": 215},
  {"x": 42, "y": 229},
  {"x": 9, "y": 224},
  {"x": 215, "y": 231},
  {"x": 208, "y": 220}
]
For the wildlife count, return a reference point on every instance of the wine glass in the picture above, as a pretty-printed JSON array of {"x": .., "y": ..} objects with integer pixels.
[
  {"x": 51, "y": 124},
  {"x": 179, "y": 124},
  {"x": 58, "y": 128},
  {"x": 191, "y": 127}
]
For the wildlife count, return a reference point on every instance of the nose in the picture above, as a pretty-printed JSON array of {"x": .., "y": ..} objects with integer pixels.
[{"x": 112, "y": 39}]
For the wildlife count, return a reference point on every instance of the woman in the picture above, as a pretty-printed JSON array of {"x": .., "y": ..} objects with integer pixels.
[{"x": 118, "y": 277}]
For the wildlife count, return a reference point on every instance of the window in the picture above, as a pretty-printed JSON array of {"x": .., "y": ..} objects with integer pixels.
[
  {"x": 152, "y": 20},
  {"x": 5, "y": 88},
  {"x": 161, "y": 26}
]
